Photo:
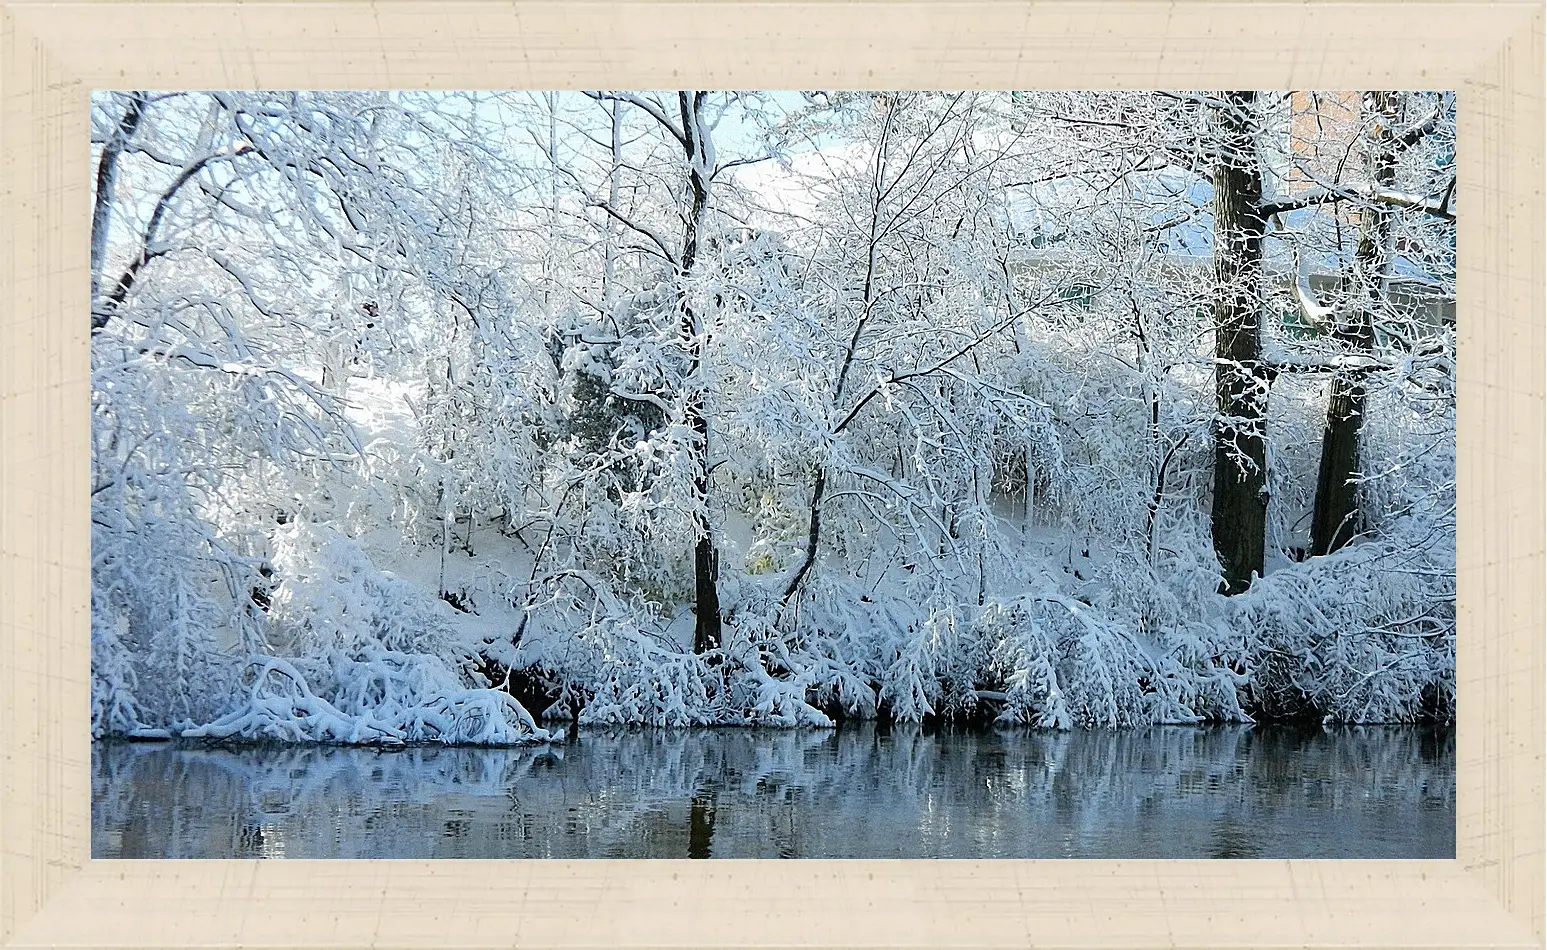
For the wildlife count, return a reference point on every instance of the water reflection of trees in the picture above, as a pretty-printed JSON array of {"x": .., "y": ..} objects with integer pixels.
[{"x": 852, "y": 792}]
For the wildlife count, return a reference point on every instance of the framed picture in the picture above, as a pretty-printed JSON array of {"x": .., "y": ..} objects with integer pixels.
[{"x": 790, "y": 409}]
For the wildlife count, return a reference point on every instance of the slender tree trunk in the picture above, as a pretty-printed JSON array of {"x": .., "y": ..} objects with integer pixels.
[
  {"x": 1241, "y": 382},
  {"x": 614, "y": 175},
  {"x": 1335, "y": 519},
  {"x": 107, "y": 182},
  {"x": 867, "y": 296},
  {"x": 707, "y": 627},
  {"x": 813, "y": 533},
  {"x": 1161, "y": 456}
]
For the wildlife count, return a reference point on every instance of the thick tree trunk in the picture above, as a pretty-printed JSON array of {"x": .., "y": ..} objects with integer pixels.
[
  {"x": 1335, "y": 519},
  {"x": 707, "y": 626},
  {"x": 1241, "y": 382},
  {"x": 1336, "y": 516}
]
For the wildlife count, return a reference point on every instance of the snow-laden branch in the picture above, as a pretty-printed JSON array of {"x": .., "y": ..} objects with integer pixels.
[
  {"x": 1325, "y": 194},
  {"x": 149, "y": 249},
  {"x": 653, "y": 109}
]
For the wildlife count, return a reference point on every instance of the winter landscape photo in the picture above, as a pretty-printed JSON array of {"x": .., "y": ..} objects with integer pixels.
[{"x": 821, "y": 474}]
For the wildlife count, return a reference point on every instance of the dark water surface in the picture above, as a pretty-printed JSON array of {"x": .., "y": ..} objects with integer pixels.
[{"x": 855, "y": 792}]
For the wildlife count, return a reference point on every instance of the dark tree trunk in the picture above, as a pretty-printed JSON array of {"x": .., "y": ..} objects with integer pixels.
[
  {"x": 107, "y": 181},
  {"x": 1241, "y": 381},
  {"x": 1335, "y": 519},
  {"x": 706, "y": 631},
  {"x": 813, "y": 534},
  {"x": 819, "y": 485}
]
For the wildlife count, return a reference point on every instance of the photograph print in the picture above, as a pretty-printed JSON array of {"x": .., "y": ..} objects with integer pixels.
[{"x": 824, "y": 474}]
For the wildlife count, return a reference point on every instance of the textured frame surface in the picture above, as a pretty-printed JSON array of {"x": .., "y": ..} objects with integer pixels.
[{"x": 53, "y": 54}]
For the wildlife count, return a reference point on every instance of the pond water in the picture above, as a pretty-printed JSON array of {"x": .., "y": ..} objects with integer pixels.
[{"x": 854, "y": 792}]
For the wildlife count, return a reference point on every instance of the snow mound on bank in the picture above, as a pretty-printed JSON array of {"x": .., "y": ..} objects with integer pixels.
[{"x": 383, "y": 698}]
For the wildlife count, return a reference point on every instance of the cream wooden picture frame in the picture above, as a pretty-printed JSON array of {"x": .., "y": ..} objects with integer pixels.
[{"x": 53, "y": 54}]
